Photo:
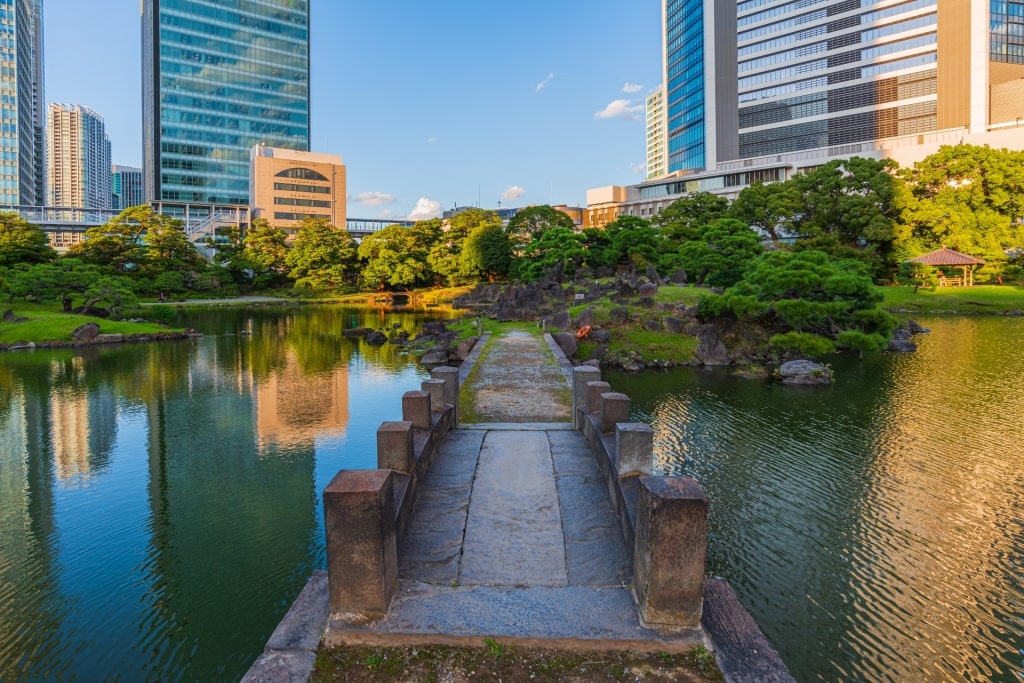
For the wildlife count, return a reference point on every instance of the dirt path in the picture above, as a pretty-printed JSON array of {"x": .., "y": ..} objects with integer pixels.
[{"x": 517, "y": 379}]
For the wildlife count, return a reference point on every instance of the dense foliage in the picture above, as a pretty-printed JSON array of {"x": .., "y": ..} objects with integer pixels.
[{"x": 841, "y": 225}]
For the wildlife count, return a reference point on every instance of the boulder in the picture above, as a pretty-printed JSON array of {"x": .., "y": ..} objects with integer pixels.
[
  {"x": 804, "y": 372},
  {"x": 356, "y": 332},
  {"x": 604, "y": 271},
  {"x": 464, "y": 348},
  {"x": 434, "y": 327},
  {"x": 678, "y": 277},
  {"x": 109, "y": 338},
  {"x": 902, "y": 333},
  {"x": 374, "y": 338},
  {"x": 710, "y": 347},
  {"x": 592, "y": 363},
  {"x": 653, "y": 325},
  {"x": 601, "y": 336},
  {"x": 8, "y": 316},
  {"x": 648, "y": 290},
  {"x": 85, "y": 333},
  {"x": 567, "y": 342},
  {"x": 645, "y": 303},
  {"x": 914, "y": 327},
  {"x": 901, "y": 346},
  {"x": 1014, "y": 312},
  {"x": 619, "y": 314},
  {"x": 652, "y": 274},
  {"x": 672, "y": 324},
  {"x": 437, "y": 355},
  {"x": 586, "y": 317},
  {"x": 560, "y": 320}
]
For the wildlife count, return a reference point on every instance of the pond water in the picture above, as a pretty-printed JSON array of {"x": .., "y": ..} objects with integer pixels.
[
  {"x": 160, "y": 503},
  {"x": 875, "y": 528}
]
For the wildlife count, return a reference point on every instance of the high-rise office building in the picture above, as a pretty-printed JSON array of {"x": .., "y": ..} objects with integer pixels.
[
  {"x": 759, "y": 90},
  {"x": 287, "y": 186},
  {"x": 78, "y": 158},
  {"x": 125, "y": 187},
  {"x": 218, "y": 79},
  {"x": 657, "y": 149},
  {"x": 22, "y": 158}
]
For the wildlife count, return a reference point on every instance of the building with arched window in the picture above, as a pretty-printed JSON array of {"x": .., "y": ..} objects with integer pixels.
[{"x": 287, "y": 186}]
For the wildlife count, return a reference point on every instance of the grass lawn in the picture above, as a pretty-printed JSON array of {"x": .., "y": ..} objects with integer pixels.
[
  {"x": 979, "y": 299},
  {"x": 47, "y": 323}
]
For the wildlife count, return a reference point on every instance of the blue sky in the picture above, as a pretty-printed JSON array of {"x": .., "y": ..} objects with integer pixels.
[{"x": 431, "y": 104}]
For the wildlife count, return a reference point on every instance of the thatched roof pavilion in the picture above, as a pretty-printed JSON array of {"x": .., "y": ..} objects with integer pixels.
[{"x": 948, "y": 257}]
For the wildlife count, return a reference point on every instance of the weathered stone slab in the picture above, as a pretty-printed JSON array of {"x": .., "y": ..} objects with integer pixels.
[{"x": 514, "y": 530}]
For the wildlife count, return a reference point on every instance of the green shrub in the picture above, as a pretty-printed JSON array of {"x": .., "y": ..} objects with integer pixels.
[{"x": 802, "y": 343}]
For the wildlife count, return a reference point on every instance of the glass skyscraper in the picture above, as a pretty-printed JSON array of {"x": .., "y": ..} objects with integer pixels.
[
  {"x": 22, "y": 103},
  {"x": 78, "y": 157},
  {"x": 219, "y": 77}
]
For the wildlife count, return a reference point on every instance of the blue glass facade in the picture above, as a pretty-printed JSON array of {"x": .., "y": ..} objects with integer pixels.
[
  {"x": 22, "y": 167},
  {"x": 220, "y": 76},
  {"x": 684, "y": 84},
  {"x": 1007, "y": 21}
]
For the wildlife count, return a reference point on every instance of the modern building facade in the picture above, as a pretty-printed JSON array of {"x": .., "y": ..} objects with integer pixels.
[
  {"x": 657, "y": 135},
  {"x": 126, "y": 187},
  {"x": 288, "y": 186},
  {"x": 218, "y": 79},
  {"x": 22, "y": 137},
  {"x": 811, "y": 81},
  {"x": 78, "y": 158}
]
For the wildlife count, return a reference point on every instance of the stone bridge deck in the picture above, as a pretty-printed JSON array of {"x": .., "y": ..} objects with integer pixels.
[{"x": 513, "y": 533}]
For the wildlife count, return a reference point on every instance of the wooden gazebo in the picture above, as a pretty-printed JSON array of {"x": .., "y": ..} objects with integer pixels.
[{"x": 948, "y": 257}]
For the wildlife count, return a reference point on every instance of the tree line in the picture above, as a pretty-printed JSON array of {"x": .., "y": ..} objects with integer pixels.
[{"x": 865, "y": 214}]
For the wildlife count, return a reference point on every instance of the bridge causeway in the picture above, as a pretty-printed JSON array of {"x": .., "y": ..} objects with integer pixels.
[{"x": 519, "y": 519}]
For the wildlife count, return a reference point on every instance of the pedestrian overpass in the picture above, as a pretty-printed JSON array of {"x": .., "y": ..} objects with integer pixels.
[{"x": 66, "y": 226}]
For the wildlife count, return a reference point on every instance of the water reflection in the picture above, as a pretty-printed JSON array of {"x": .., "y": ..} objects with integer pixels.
[
  {"x": 874, "y": 529},
  {"x": 159, "y": 502}
]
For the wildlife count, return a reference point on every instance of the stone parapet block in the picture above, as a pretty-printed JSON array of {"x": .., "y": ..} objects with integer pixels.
[
  {"x": 362, "y": 554},
  {"x": 614, "y": 409},
  {"x": 435, "y": 387},
  {"x": 594, "y": 391},
  {"x": 450, "y": 376},
  {"x": 581, "y": 377},
  {"x": 634, "y": 448},
  {"x": 395, "y": 446},
  {"x": 670, "y": 552},
  {"x": 416, "y": 409}
]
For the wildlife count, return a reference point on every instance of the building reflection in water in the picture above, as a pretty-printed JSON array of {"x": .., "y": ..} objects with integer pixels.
[{"x": 293, "y": 408}]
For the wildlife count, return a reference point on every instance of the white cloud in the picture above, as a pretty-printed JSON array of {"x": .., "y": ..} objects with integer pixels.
[
  {"x": 512, "y": 193},
  {"x": 432, "y": 139},
  {"x": 540, "y": 86},
  {"x": 632, "y": 88},
  {"x": 637, "y": 169},
  {"x": 386, "y": 213},
  {"x": 375, "y": 198},
  {"x": 621, "y": 109},
  {"x": 425, "y": 208}
]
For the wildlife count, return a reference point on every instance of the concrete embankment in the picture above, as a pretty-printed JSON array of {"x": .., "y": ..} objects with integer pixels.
[{"x": 530, "y": 524}]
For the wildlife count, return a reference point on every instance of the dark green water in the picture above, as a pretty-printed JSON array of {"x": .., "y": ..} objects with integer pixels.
[
  {"x": 159, "y": 503},
  {"x": 875, "y": 529}
]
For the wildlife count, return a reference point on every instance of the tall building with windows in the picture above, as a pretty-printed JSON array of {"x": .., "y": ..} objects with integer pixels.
[
  {"x": 759, "y": 90},
  {"x": 831, "y": 78},
  {"x": 22, "y": 141},
  {"x": 218, "y": 79},
  {"x": 287, "y": 187},
  {"x": 125, "y": 187},
  {"x": 657, "y": 151},
  {"x": 78, "y": 158}
]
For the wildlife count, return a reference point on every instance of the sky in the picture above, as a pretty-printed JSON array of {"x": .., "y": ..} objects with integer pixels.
[{"x": 431, "y": 105}]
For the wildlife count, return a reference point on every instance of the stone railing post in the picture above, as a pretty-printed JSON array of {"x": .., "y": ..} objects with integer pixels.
[
  {"x": 614, "y": 409},
  {"x": 435, "y": 387},
  {"x": 634, "y": 448},
  {"x": 670, "y": 550},
  {"x": 362, "y": 554},
  {"x": 416, "y": 409},
  {"x": 594, "y": 391},
  {"x": 450, "y": 376},
  {"x": 395, "y": 446},
  {"x": 581, "y": 376}
]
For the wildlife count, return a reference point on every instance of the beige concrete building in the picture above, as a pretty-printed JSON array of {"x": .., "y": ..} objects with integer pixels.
[
  {"x": 286, "y": 186},
  {"x": 604, "y": 204}
]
